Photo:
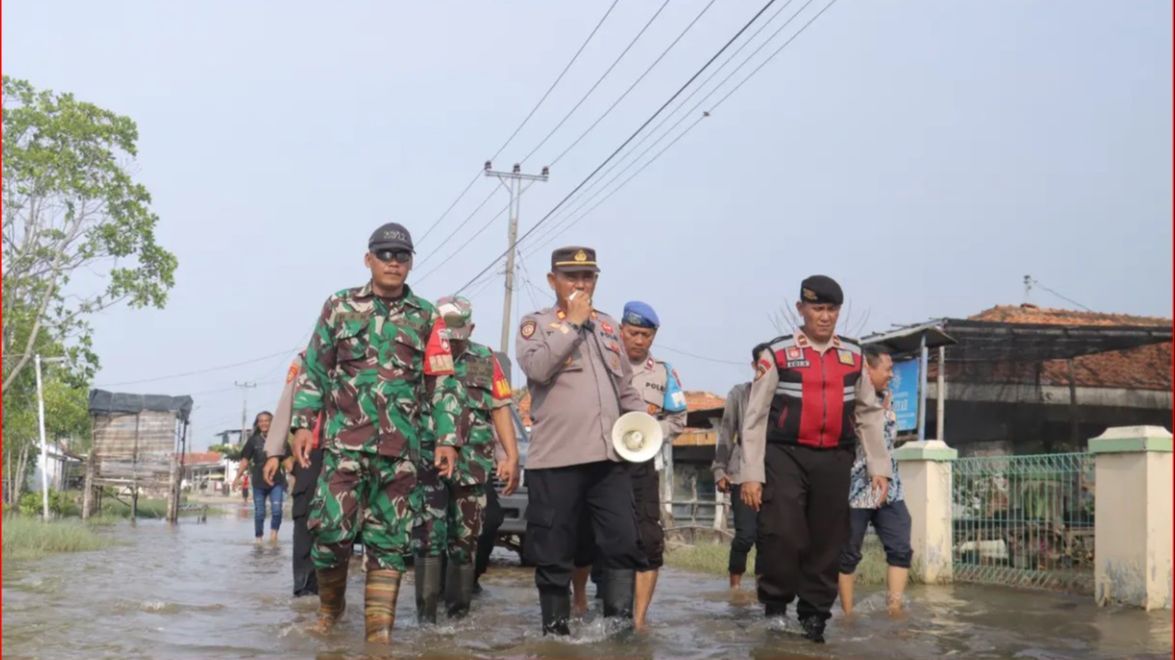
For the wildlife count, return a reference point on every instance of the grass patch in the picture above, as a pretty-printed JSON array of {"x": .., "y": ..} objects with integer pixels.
[
  {"x": 713, "y": 558},
  {"x": 29, "y": 538}
]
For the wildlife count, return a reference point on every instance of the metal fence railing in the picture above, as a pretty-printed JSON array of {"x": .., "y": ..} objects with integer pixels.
[{"x": 1025, "y": 521}]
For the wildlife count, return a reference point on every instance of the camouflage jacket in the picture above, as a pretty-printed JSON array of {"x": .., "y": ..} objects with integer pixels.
[
  {"x": 379, "y": 371},
  {"x": 483, "y": 388}
]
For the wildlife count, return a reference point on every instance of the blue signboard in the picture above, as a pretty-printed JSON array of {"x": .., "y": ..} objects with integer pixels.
[{"x": 904, "y": 387}]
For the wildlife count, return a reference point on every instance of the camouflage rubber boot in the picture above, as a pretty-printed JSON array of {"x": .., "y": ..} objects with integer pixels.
[
  {"x": 458, "y": 589},
  {"x": 428, "y": 588},
  {"x": 332, "y": 601},
  {"x": 379, "y": 604}
]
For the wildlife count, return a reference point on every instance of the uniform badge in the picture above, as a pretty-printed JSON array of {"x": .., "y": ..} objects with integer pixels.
[
  {"x": 561, "y": 327},
  {"x": 649, "y": 363},
  {"x": 761, "y": 368},
  {"x": 560, "y": 314},
  {"x": 528, "y": 328},
  {"x": 607, "y": 328},
  {"x": 614, "y": 347},
  {"x": 846, "y": 357},
  {"x": 653, "y": 410},
  {"x": 795, "y": 353}
]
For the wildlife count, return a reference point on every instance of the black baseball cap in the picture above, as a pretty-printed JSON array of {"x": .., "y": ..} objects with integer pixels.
[{"x": 391, "y": 236}]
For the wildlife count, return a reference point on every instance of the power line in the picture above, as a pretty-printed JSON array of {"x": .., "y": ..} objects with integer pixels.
[
  {"x": 469, "y": 241},
  {"x": 562, "y": 73},
  {"x": 558, "y": 230},
  {"x": 631, "y": 137},
  {"x": 566, "y": 223},
  {"x": 201, "y": 371},
  {"x": 463, "y": 223},
  {"x": 635, "y": 83},
  {"x": 661, "y": 346},
  {"x": 733, "y": 55},
  {"x": 597, "y": 83},
  {"x": 1059, "y": 295}
]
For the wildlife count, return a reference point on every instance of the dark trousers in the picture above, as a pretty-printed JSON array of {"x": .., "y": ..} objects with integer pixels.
[
  {"x": 892, "y": 523},
  {"x": 494, "y": 517},
  {"x": 646, "y": 493},
  {"x": 305, "y": 482},
  {"x": 745, "y": 529},
  {"x": 557, "y": 497},
  {"x": 803, "y": 526}
]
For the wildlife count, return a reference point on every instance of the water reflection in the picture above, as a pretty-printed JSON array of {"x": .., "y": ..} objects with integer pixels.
[{"x": 204, "y": 590}]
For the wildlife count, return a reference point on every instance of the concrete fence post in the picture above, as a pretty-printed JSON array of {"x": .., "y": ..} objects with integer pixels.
[
  {"x": 1132, "y": 516},
  {"x": 925, "y": 468}
]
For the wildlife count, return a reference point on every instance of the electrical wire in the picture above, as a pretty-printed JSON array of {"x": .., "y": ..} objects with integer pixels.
[{"x": 630, "y": 138}]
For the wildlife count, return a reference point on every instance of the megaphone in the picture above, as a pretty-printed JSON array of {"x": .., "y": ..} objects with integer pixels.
[{"x": 636, "y": 436}]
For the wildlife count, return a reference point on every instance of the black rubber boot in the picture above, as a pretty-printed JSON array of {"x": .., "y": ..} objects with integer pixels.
[
  {"x": 618, "y": 585},
  {"x": 773, "y": 610},
  {"x": 428, "y": 588},
  {"x": 458, "y": 588},
  {"x": 556, "y": 607},
  {"x": 813, "y": 628}
]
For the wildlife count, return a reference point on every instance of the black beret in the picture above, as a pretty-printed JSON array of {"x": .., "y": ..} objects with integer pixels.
[{"x": 821, "y": 289}]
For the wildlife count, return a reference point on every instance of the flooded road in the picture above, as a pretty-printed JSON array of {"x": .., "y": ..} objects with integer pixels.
[{"x": 204, "y": 590}]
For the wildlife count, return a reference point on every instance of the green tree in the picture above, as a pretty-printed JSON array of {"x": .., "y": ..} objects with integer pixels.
[
  {"x": 71, "y": 210},
  {"x": 66, "y": 405}
]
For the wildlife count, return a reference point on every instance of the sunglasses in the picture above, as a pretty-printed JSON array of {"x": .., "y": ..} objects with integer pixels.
[{"x": 388, "y": 256}]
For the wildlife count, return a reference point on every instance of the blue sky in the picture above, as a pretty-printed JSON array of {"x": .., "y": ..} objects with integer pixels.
[{"x": 926, "y": 154}]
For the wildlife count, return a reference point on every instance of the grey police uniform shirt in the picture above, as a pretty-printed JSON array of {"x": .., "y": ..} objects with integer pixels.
[
  {"x": 580, "y": 383},
  {"x": 728, "y": 451},
  {"x": 650, "y": 378},
  {"x": 279, "y": 427}
]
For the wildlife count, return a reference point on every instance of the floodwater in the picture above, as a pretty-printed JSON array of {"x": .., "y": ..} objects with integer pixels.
[{"x": 204, "y": 590}]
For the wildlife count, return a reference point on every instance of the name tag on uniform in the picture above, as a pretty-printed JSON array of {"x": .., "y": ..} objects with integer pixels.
[{"x": 797, "y": 364}]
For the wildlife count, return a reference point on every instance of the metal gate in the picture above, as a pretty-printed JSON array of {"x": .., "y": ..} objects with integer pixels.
[{"x": 1025, "y": 521}]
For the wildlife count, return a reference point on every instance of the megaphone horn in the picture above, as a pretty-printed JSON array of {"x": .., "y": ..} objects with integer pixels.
[{"x": 637, "y": 437}]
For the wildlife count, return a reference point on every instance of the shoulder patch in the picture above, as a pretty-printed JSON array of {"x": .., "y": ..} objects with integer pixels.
[
  {"x": 528, "y": 328},
  {"x": 293, "y": 372},
  {"x": 762, "y": 367}
]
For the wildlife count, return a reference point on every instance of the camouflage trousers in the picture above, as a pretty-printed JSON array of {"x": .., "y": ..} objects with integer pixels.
[
  {"x": 466, "y": 514},
  {"x": 363, "y": 497},
  {"x": 449, "y": 518},
  {"x": 430, "y": 506}
]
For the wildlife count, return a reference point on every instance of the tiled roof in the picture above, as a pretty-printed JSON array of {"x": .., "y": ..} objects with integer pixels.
[
  {"x": 1143, "y": 368},
  {"x": 1052, "y": 316},
  {"x": 203, "y": 458},
  {"x": 695, "y": 400}
]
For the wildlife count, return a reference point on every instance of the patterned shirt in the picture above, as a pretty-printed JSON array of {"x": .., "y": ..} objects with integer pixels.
[
  {"x": 861, "y": 495},
  {"x": 482, "y": 388},
  {"x": 378, "y": 369}
]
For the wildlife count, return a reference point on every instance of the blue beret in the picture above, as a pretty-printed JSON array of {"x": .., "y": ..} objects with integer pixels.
[{"x": 640, "y": 314}]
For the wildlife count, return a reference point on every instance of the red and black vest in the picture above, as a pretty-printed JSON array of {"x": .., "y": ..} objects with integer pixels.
[{"x": 814, "y": 401}]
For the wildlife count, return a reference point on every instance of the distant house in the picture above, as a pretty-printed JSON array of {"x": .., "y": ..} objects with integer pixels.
[
  {"x": 1026, "y": 379},
  {"x": 204, "y": 471}
]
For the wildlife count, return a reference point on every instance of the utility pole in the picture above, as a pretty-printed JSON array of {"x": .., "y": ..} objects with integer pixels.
[
  {"x": 1027, "y": 288},
  {"x": 37, "y": 360},
  {"x": 245, "y": 387},
  {"x": 512, "y": 182}
]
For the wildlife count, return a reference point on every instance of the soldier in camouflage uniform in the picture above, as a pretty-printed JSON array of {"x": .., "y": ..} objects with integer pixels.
[
  {"x": 377, "y": 367},
  {"x": 485, "y": 409}
]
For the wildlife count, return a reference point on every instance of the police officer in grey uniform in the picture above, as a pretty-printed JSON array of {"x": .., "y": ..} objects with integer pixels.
[
  {"x": 580, "y": 383},
  {"x": 660, "y": 388}
]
